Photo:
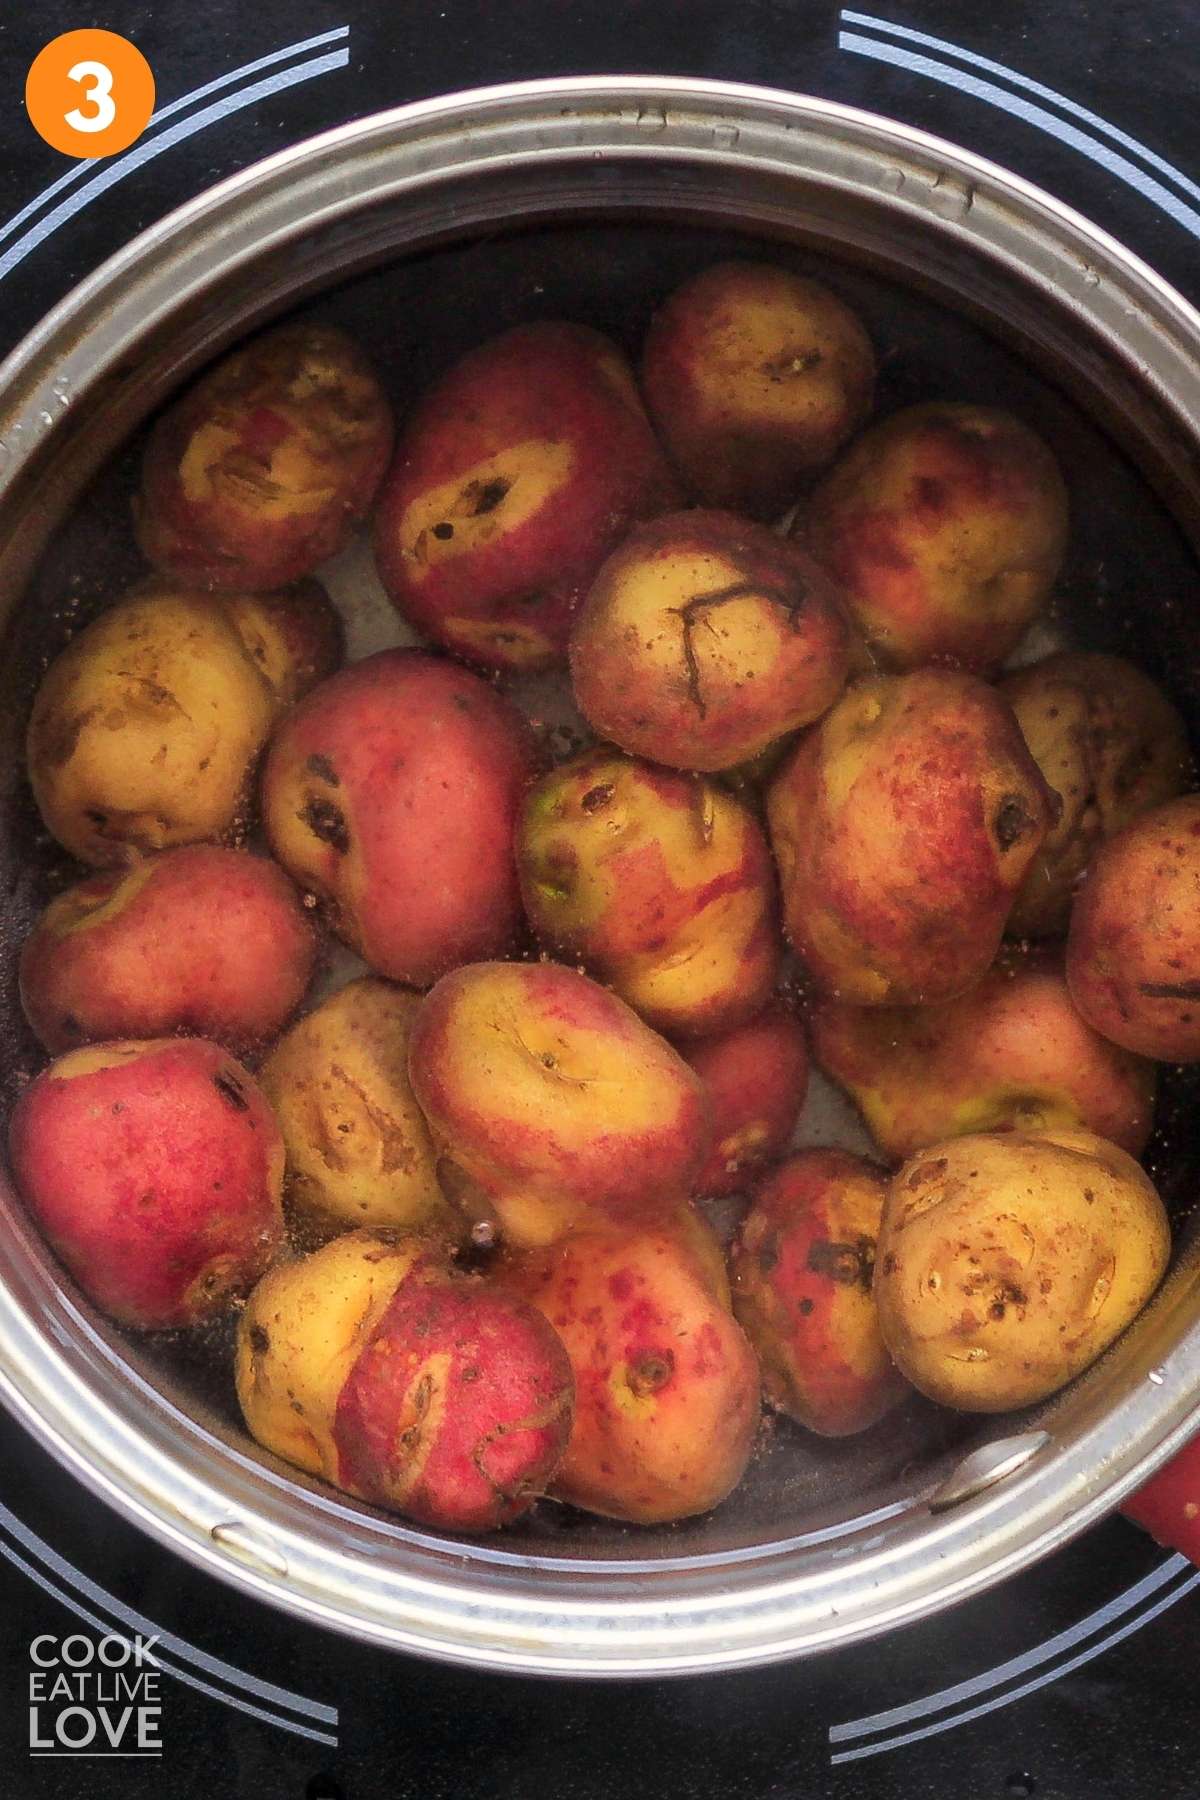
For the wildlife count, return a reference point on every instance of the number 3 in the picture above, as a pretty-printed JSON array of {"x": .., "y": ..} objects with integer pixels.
[{"x": 98, "y": 94}]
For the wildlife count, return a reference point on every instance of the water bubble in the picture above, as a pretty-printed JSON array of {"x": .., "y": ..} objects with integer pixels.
[
  {"x": 1157, "y": 1376},
  {"x": 46, "y": 418}
]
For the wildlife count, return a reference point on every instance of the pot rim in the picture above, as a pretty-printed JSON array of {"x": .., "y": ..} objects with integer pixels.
[{"x": 516, "y": 1609}]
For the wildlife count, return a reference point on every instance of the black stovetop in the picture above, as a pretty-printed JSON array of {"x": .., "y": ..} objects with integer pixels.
[{"x": 1072, "y": 1682}]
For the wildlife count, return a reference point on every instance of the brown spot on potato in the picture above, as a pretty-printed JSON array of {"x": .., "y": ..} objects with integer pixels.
[
  {"x": 260, "y": 1343},
  {"x": 1170, "y": 990},
  {"x": 327, "y": 822},
  {"x": 849, "y": 1264},
  {"x": 322, "y": 768},
  {"x": 1012, "y": 821},
  {"x": 598, "y": 797},
  {"x": 650, "y": 1372},
  {"x": 230, "y": 1090}
]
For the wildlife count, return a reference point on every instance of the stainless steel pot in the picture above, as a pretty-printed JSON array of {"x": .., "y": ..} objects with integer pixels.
[{"x": 824, "y": 1547}]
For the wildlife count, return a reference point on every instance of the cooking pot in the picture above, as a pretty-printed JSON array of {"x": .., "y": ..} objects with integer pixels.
[{"x": 424, "y": 230}]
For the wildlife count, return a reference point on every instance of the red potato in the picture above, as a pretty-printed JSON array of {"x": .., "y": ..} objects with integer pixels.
[
  {"x": 201, "y": 940},
  {"x": 262, "y": 469},
  {"x": 551, "y": 1103},
  {"x": 903, "y": 826},
  {"x": 756, "y": 1077},
  {"x": 391, "y": 791},
  {"x": 802, "y": 1269},
  {"x": 705, "y": 638},
  {"x": 1133, "y": 954},
  {"x": 458, "y": 1411},
  {"x": 755, "y": 377},
  {"x": 666, "y": 1385},
  {"x": 295, "y": 636},
  {"x": 1013, "y": 1054},
  {"x": 515, "y": 476},
  {"x": 660, "y": 883},
  {"x": 155, "y": 1171},
  {"x": 944, "y": 527}
]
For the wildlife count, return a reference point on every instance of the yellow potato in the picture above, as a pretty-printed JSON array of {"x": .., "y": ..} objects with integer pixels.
[
  {"x": 300, "y": 1334},
  {"x": 358, "y": 1149},
  {"x": 1008, "y": 1262},
  {"x": 146, "y": 728}
]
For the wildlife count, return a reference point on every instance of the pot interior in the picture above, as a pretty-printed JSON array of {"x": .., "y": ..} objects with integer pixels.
[{"x": 427, "y": 285}]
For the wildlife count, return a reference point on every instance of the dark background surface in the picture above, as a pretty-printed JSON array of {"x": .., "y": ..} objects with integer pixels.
[{"x": 1120, "y": 1726}]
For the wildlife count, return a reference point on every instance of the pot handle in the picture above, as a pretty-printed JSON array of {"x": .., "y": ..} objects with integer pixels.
[{"x": 1169, "y": 1505}]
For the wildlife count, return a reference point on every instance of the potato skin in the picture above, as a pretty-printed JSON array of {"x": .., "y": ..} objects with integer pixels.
[
  {"x": 550, "y": 1102},
  {"x": 1007, "y": 1263},
  {"x": 302, "y": 1330},
  {"x": 154, "y": 1170},
  {"x": 458, "y": 1410},
  {"x": 902, "y": 827},
  {"x": 801, "y": 1271},
  {"x": 1133, "y": 954},
  {"x": 704, "y": 638},
  {"x": 261, "y": 470},
  {"x": 514, "y": 477},
  {"x": 1111, "y": 745},
  {"x": 1012, "y": 1054},
  {"x": 199, "y": 940},
  {"x": 756, "y": 1078},
  {"x": 755, "y": 377},
  {"x": 944, "y": 526},
  {"x": 660, "y": 883},
  {"x": 295, "y": 636},
  {"x": 358, "y": 1149},
  {"x": 146, "y": 729},
  {"x": 391, "y": 791},
  {"x": 666, "y": 1385}
]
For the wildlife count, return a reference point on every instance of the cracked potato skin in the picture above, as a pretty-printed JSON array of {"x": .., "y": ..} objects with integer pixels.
[
  {"x": 391, "y": 791},
  {"x": 801, "y": 1270},
  {"x": 1013, "y": 1054},
  {"x": 1007, "y": 1263},
  {"x": 154, "y": 1170},
  {"x": 1133, "y": 953},
  {"x": 458, "y": 1411},
  {"x": 294, "y": 635},
  {"x": 261, "y": 471},
  {"x": 755, "y": 377},
  {"x": 666, "y": 1383},
  {"x": 703, "y": 639},
  {"x": 1112, "y": 746},
  {"x": 551, "y": 1103},
  {"x": 944, "y": 527},
  {"x": 756, "y": 1078},
  {"x": 202, "y": 940},
  {"x": 146, "y": 729},
  {"x": 661, "y": 884},
  {"x": 358, "y": 1148},
  {"x": 515, "y": 475},
  {"x": 903, "y": 826}
]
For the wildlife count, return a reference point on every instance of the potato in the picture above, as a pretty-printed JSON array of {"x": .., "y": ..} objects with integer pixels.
[
  {"x": 391, "y": 791},
  {"x": 703, "y": 639},
  {"x": 802, "y": 1268},
  {"x": 551, "y": 1103},
  {"x": 515, "y": 476},
  {"x": 755, "y": 377},
  {"x": 659, "y": 883},
  {"x": 301, "y": 1332},
  {"x": 199, "y": 939},
  {"x": 458, "y": 1411},
  {"x": 1111, "y": 746},
  {"x": 903, "y": 825},
  {"x": 1007, "y": 1263},
  {"x": 369, "y": 1363},
  {"x": 295, "y": 636},
  {"x": 1013, "y": 1054},
  {"x": 944, "y": 526},
  {"x": 262, "y": 469},
  {"x": 755, "y": 1077},
  {"x": 146, "y": 728},
  {"x": 1133, "y": 955},
  {"x": 358, "y": 1149},
  {"x": 666, "y": 1386},
  {"x": 154, "y": 1170}
]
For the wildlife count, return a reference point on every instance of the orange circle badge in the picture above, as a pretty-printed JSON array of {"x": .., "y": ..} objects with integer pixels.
[{"x": 89, "y": 93}]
